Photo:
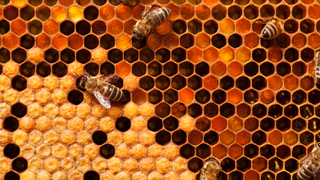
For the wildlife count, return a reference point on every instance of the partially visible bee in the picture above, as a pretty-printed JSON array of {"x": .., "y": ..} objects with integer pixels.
[
  {"x": 102, "y": 90},
  {"x": 210, "y": 170},
  {"x": 128, "y": 2},
  {"x": 317, "y": 66},
  {"x": 150, "y": 21},
  {"x": 311, "y": 164},
  {"x": 272, "y": 28}
]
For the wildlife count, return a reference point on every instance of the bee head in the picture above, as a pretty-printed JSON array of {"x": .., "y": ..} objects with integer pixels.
[
  {"x": 83, "y": 82},
  {"x": 318, "y": 144},
  {"x": 137, "y": 35}
]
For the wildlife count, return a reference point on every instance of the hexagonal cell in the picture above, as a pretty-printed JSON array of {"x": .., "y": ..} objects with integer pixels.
[
  {"x": 43, "y": 13},
  {"x": 202, "y": 69},
  {"x": 291, "y": 111},
  {"x": 146, "y": 83},
  {"x": 299, "y": 68},
  {"x": 154, "y": 68},
  {"x": 162, "y": 109},
  {"x": 139, "y": 43},
  {"x": 234, "y": 12},
  {"x": 99, "y": 137},
  {"x": 307, "y": 54},
  {"x": 27, "y": 41},
  {"x": 251, "y": 96},
  {"x": 75, "y": 97},
  {"x": 99, "y": 27},
  {"x": 275, "y": 111},
  {"x": 19, "y": 83},
  {"x": 155, "y": 96},
  {"x": 267, "y": 68},
  {"x": 314, "y": 124},
  {"x": 251, "y": 150},
  {"x": 203, "y": 124},
  {"x": 139, "y": 69},
  {"x": 91, "y": 41},
  {"x": 179, "y": 109},
  {"x": 259, "y": 137},
  {"x": 275, "y": 164},
  {"x": 283, "y": 124},
  {"x": 211, "y": 137},
  {"x": 162, "y": 82},
  {"x": 298, "y": 124},
  {"x": 227, "y": 110},
  {"x": 306, "y": 138},
  {"x": 283, "y": 152},
  {"x": 219, "y": 96},
  {"x": 186, "y": 68},
  {"x": 243, "y": 164},
  {"x": 131, "y": 55},
  {"x": 259, "y": 82},
  {"x": 194, "y": 110},
  {"x": 195, "y": 164},
  {"x": 291, "y": 54},
  {"x": 251, "y": 12},
  {"x": 251, "y": 68},
  {"x": 243, "y": 83},
  {"x": 298, "y": 151},
  {"x": 218, "y": 41},
  {"x": 84, "y": 56},
  {"x": 107, "y": 41},
  {"x": 203, "y": 96},
  {"x": 4, "y": 26},
  {"x": 163, "y": 55},
  {"x": 194, "y": 26},
  {"x": 154, "y": 124},
  {"x": 226, "y": 82},
  {"x": 91, "y": 13},
  {"x": 314, "y": 96},
  {"x": 227, "y": 164},
  {"x": 178, "y": 54},
  {"x": 179, "y": 137},
  {"x": 171, "y": 96},
  {"x": 83, "y": 27},
  {"x": 259, "y": 110},
  {"x": 283, "y": 69},
  {"x": 187, "y": 151},
  {"x": 171, "y": 123},
  {"x": 178, "y": 82},
  {"x": 210, "y": 110},
  {"x": 219, "y": 12},
  {"x": 26, "y": 13},
  {"x": 203, "y": 151},
  {"x": 210, "y": 27},
  {"x": 235, "y": 40},
  {"x": 107, "y": 151},
  {"x": 267, "y": 124},
  {"x": 259, "y": 55},
  {"x": 163, "y": 137},
  {"x": 92, "y": 69},
  {"x": 291, "y": 165},
  {"x": 67, "y": 27},
  {"x": 19, "y": 110},
  {"x": 267, "y": 151},
  {"x": 194, "y": 82},
  {"x": 170, "y": 69},
  {"x": 306, "y": 111},
  {"x": 179, "y": 26},
  {"x": 299, "y": 97},
  {"x": 267, "y": 175},
  {"x": 20, "y": 164},
  {"x": 27, "y": 69},
  {"x": 10, "y": 124}
]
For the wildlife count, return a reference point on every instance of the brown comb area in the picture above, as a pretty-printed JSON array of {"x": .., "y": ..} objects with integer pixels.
[{"x": 203, "y": 84}]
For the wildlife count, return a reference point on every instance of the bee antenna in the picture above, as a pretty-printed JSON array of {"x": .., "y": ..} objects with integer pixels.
[
  {"x": 76, "y": 73},
  {"x": 131, "y": 39}
]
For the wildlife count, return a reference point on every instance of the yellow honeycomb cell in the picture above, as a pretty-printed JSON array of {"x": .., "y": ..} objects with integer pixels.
[
  {"x": 171, "y": 151},
  {"x": 75, "y": 151},
  {"x": 45, "y": 175},
  {"x": 91, "y": 151},
  {"x": 11, "y": 69},
  {"x": 67, "y": 137},
  {"x": 75, "y": 13},
  {"x": 179, "y": 165},
  {"x": 83, "y": 138},
  {"x": 146, "y": 165},
  {"x": 51, "y": 137},
  {"x": 35, "y": 164},
  {"x": 130, "y": 137},
  {"x": 27, "y": 151},
  {"x": 27, "y": 175},
  {"x": 43, "y": 124},
  {"x": 51, "y": 110},
  {"x": 123, "y": 151},
  {"x": 99, "y": 164},
  {"x": 107, "y": 124},
  {"x": 35, "y": 83},
  {"x": 139, "y": 151},
  {"x": 43, "y": 151},
  {"x": 4, "y": 137},
  {"x": 35, "y": 137},
  {"x": 139, "y": 176},
  {"x": 130, "y": 165},
  {"x": 11, "y": 96},
  {"x": 67, "y": 163},
  {"x": 35, "y": 110},
  {"x": 115, "y": 137},
  {"x": 115, "y": 165},
  {"x": 187, "y": 123},
  {"x": 83, "y": 164}
]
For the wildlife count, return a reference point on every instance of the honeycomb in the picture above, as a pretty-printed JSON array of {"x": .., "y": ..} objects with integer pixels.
[{"x": 203, "y": 84}]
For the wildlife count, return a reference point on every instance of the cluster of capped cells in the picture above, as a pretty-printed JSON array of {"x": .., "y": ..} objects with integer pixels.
[{"x": 203, "y": 84}]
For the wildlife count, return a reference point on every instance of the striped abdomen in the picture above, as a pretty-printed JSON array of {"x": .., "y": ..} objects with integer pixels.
[
  {"x": 306, "y": 171},
  {"x": 158, "y": 16},
  {"x": 111, "y": 92},
  {"x": 271, "y": 30}
]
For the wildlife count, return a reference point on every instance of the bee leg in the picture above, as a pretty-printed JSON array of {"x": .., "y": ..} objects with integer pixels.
[{"x": 146, "y": 10}]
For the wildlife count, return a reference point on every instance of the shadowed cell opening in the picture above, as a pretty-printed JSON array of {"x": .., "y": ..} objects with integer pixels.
[
  {"x": 211, "y": 137},
  {"x": 211, "y": 27},
  {"x": 127, "y": 97},
  {"x": 146, "y": 83},
  {"x": 259, "y": 137},
  {"x": 251, "y": 124},
  {"x": 283, "y": 12},
  {"x": 178, "y": 54},
  {"x": 251, "y": 150},
  {"x": 227, "y": 110},
  {"x": 115, "y": 55},
  {"x": 267, "y": 124},
  {"x": 131, "y": 55},
  {"x": 306, "y": 138},
  {"x": 299, "y": 68},
  {"x": 203, "y": 151},
  {"x": 19, "y": 164},
  {"x": 195, "y": 82},
  {"x": 99, "y": 2},
  {"x": 75, "y": 97},
  {"x": 291, "y": 26},
  {"x": 27, "y": 69},
  {"x": 283, "y": 69},
  {"x": 19, "y": 83},
  {"x": 99, "y": 137},
  {"x": 162, "y": 110},
  {"x": 259, "y": 110},
  {"x": 202, "y": 69},
  {"x": 275, "y": 111},
  {"x": 83, "y": 27},
  {"x": 170, "y": 69},
  {"x": 186, "y": 68},
  {"x": 4, "y": 26},
  {"x": 219, "y": 12},
  {"x": 243, "y": 164},
  {"x": 194, "y": 110},
  {"x": 50, "y": 2},
  {"x": 283, "y": 124},
  {"x": 235, "y": 40},
  {"x": 123, "y": 124},
  {"x": 268, "y": 175},
  {"x": 195, "y": 164},
  {"x": 179, "y": 109},
  {"x": 283, "y": 40},
  {"x": 267, "y": 69},
  {"x": 59, "y": 69},
  {"x": 226, "y": 82},
  {"x": 107, "y": 151},
  {"x": 43, "y": 69},
  {"x": 251, "y": 12},
  {"x": 267, "y": 151},
  {"x": 99, "y": 27},
  {"x": 178, "y": 82},
  {"x": 210, "y": 110},
  {"x": 251, "y": 96},
  {"x": 26, "y": 13},
  {"x": 194, "y": 26},
  {"x": 91, "y": 41},
  {"x": 11, "y": 151},
  {"x": 163, "y": 137},
  {"x": 35, "y": 27},
  {"x": 218, "y": 41},
  {"x": 146, "y": 55},
  {"x": 27, "y": 41},
  {"x": 154, "y": 68},
  {"x": 259, "y": 82},
  {"x": 179, "y": 26},
  {"x": 283, "y": 151},
  {"x": 67, "y": 56},
  {"x": 43, "y": 13},
  {"x": 139, "y": 43},
  {"x": 11, "y": 176},
  {"x": 107, "y": 41},
  {"x": 10, "y": 124},
  {"x": 291, "y": 111},
  {"x": 267, "y": 43},
  {"x": 203, "y": 96},
  {"x": 154, "y": 124},
  {"x": 171, "y": 96},
  {"x": 227, "y": 164},
  {"x": 299, "y": 152},
  {"x": 307, "y": 26},
  {"x": 307, "y": 54},
  {"x": 162, "y": 82},
  {"x": 306, "y": 111},
  {"x": 299, "y": 11},
  {"x": 171, "y": 123},
  {"x": 314, "y": 124},
  {"x": 234, "y": 12},
  {"x": 251, "y": 68},
  {"x": 179, "y": 137},
  {"x": 187, "y": 151},
  {"x": 91, "y": 175},
  {"x": 51, "y": 56},
  {"x": 91, "y": 13},
  {"x": 67, "y": 27},
  {"x": 267, "y": 11},
  {"x": 92, "y": 69},
  {"x": 107, "y": 68},
  {"x": 18, "y": 55},
  {"x": 19, "y": 110},
  {"x": 11, "y": 12},
  {"x": 275, "y": 164},
  {"x": 259, "y": 55},
  {"x": 203, "y": 124},
  {"x": 243, "y": 83},
  {"x": 139, "y": 69},
  {"x": 298, "y": 124},
  {"x": 163, "y": 55},
  {"x": 219, "y": 96},
  {"x": 313, "y": 96}
]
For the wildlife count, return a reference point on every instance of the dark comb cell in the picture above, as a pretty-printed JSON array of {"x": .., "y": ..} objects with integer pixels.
[
  {"x": 19, "y": 164},
  {"x": 123, "y": 124},
  {"x": 107, "y": 151},
  {"x": 19, "y": 110},
  {"x": 11, "y": 151},
  {"x": 154, "y": 124},
  {"x": 59, "y": 69},
  {"x": 171, "y": 123},
  {"x": 10, "y": 124},
  {"x": 19, "y": 83},
  {"x": 187, "y": 151},
  {"x": 163, "y": 137},
  {"x": 99, "y": 137},
  {"x": 195, "y": 164},
  {"x": 179, "y": 137},
  {"x": 91, "y": 175},
  {"x": 11, "y": 176}
]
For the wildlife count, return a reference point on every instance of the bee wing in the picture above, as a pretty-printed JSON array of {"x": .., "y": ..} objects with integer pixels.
[{"x": 104, "y": 101}]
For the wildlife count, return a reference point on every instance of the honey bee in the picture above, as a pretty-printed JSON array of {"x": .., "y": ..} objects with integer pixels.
[
  {"x": 102, "y": 90},
  {"x": 311, "y": 164},
  {"x": 317, "y": 66},
  {"x": 150, "y": 21},
  {"x": 272, "y": 28},
  {"x": 210, "y": 170}
]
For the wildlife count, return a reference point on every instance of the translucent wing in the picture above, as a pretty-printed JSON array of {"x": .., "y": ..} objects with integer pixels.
[{"x": 104, "y": 101}]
